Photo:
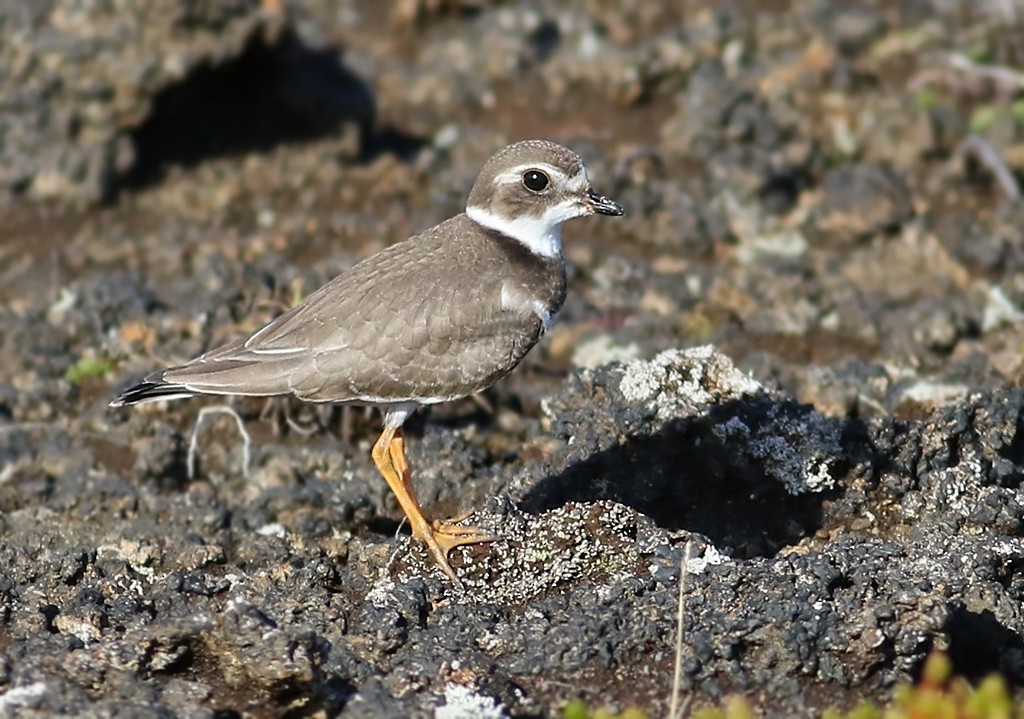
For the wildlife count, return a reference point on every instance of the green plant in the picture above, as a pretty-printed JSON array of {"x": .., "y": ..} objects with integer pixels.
[
  {"x": 983, "y": 118},
  {"x": 87, "y": 367},
  {"x": 926, "y": 98},
  {"x": 577, "y": 709},
  {"x": 938, "y": 695}
]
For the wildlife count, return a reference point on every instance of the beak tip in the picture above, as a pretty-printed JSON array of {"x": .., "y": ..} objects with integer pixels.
[{"x": 602, "y": 205}]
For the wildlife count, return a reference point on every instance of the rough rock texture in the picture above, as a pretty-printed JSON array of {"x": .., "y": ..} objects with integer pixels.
[
  {"x": 792, "y": 369},
  {"x": 80, "y": 77}
]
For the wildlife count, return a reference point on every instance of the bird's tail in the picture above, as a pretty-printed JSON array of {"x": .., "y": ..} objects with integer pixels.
[{"x": 151, "y": 391}]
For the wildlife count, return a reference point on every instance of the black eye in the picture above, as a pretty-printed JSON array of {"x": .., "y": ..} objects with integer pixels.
[{"x": 535, "y": 180}]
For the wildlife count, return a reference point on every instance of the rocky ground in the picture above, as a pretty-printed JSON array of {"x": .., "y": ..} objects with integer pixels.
[{"x": 792, "y": 369}]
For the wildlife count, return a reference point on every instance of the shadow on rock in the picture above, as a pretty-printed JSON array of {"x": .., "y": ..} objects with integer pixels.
[
  {"x": 275, "y": 92},
  {"x": 980, "y": 644},
  {"x": 716, "y": 474}
]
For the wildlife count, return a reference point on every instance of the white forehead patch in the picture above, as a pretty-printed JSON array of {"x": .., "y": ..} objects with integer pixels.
[{"x": 580, "y": 183}]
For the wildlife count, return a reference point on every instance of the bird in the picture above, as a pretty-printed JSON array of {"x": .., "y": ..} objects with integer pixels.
[{"x": 439, "y": 316}]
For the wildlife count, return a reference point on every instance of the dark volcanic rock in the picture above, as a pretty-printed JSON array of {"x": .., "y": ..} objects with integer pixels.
[
  {"x": 94, "y": 95},
  {"x": 824, "y": 550},
  {"x": 66, "y": 131},
  {"x": 796, "y": 209},
  {"x": 863, "y": 200}
]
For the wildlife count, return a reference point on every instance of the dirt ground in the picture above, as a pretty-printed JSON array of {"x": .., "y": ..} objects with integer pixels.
[{"x": 792, "y": 368}]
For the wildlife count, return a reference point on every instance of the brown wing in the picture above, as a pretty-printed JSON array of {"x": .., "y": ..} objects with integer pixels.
[{"x": 421, "y": 319}]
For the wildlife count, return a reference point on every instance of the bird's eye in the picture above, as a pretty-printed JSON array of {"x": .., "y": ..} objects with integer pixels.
[{"x": 535, "y": 180}]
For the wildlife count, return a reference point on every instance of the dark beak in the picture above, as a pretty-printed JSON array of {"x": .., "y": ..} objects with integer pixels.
[{"x": 602, "y": 205}]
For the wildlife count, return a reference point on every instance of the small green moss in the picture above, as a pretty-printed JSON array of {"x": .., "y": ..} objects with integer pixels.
[
  {"x": 863, "y": 711},
  {"x": 983, "y": 118},
  {"x": 738, "y": 708},
  {"x": 937, "y": 670},
  {"x": 926, "y": 98},
  {"x": 979, "y": 52},
  {"x": 1017, "y": 109},
  {"x": 902, "y": 42},
  {"x": 733, "y": 707},
  {"x": 938, "y": 695},
  {"x": 87, "y": 367},
  {"x": 577, "y": 709},
  {"x": 991, "y": 699}
]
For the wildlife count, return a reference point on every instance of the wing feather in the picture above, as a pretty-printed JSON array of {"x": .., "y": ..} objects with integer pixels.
[{"x": 415, "y": 320}]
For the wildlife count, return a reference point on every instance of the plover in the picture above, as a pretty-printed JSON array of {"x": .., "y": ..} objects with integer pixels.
[{"x": 437, "y": 317}]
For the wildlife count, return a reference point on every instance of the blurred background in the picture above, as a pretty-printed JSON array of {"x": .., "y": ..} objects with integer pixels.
[{"x": 829, "y": 192}]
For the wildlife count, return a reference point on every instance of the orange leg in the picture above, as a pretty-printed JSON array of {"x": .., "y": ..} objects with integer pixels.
[
  {"x": 397, "y": 452},
  {"x": 440, "y": 537}
]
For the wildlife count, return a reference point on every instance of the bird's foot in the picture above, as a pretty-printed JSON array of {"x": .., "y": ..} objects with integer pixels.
[{"x": 443, "y": 537}]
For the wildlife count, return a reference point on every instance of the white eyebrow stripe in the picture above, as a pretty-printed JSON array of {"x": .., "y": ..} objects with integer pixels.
[{"x": 515, "y": 174}]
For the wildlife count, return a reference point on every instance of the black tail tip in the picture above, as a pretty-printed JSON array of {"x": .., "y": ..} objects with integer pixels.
[{"x": 150, "y": 392}]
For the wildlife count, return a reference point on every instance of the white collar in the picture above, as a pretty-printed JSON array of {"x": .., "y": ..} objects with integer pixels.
[{"x": 540, "y": 235}]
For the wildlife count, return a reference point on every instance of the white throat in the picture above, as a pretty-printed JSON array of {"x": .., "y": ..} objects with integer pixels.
[{"x": 540, "y": 235}]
